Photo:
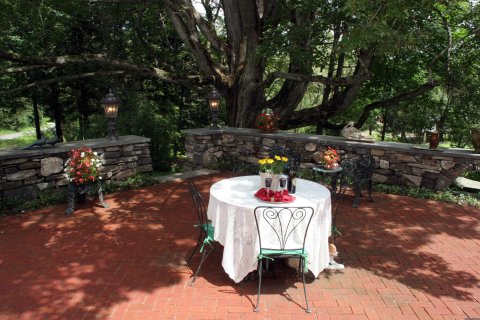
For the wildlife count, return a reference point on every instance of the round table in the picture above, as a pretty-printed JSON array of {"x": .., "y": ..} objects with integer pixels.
[{"x": 231, "y": 206}]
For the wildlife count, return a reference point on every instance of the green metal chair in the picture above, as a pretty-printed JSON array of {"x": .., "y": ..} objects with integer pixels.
[
  {"x": 206, "y": 231},
  {"x": 282, "y": 232}
]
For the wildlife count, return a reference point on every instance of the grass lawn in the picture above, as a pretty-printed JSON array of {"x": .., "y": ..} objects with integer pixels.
[
  {"x": 6, "y": 131},
  {"x": 18, "y": 142}
]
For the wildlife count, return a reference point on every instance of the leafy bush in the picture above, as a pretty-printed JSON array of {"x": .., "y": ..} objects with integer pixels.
[
  {"x": 135, "y": 182},
  {"x": 57, "y": 196},
  {"x": 473, "y": 175},
  {"x": 46, "y": 198},
  {"x": 450, "y": 195},
  {"x": 138, "y": 119},
  {"x": 446, "y": 196},
  {"x": 16, "y": 119}
]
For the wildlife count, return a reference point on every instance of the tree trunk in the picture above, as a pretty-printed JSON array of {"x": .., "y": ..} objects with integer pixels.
[
  {"x": 245, "y": 99},
  {"x": 384, "y": 126},
  {"x": 36, "y": 115},
  {"x": 244, "y": 92},
  {"x": 54, "y": 101},
  {"x": 82, "y": 105}
]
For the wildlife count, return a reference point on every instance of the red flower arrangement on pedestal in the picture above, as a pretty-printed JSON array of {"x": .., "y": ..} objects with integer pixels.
[
  {"x": 82, "y": 166},
  {"x": 330, "y": 158},
  {"x": 267, "y": 120}
]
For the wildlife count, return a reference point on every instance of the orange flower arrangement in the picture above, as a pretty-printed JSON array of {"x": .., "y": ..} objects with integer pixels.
[{"x": 330, "y": 158}]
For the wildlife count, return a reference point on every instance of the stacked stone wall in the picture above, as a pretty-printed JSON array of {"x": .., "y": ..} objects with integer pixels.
[
  {"x": 23, "y": 173},
  {"x": 396, "y": 163}
]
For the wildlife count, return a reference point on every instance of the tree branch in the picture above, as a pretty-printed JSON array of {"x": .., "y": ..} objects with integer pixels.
[
  {"x": 62, "y": 61},
  {"x": 305, "y": 117},
  {"x": 449, "y": 47},
  {"x": 20, "y": 69},
  {"x": 63, "y": 78},
  {"x": 394, "y": 100},
  {"x": 339, "y": 82},
  {"x": 308, "y": 116},
  {"x": 185, "y": 25},
  {"x": 208, "y": 32}
]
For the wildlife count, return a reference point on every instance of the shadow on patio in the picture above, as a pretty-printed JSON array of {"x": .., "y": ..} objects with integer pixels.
[{"x": 405, "y": 258}]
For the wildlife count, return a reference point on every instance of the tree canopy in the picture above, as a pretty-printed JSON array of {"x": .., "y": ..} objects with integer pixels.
[{"x": 315, "y": 62}]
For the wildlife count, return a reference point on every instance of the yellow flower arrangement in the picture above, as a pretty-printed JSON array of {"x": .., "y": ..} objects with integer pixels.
[{"x": 274, "y": 165}]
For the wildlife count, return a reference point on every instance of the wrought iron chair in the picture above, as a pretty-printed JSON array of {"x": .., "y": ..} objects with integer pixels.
[
  {"x": 283, "y": 235},
  {"x": 205, "y": 237},
  {"x": 359, "y": 170},
  {"x": 338, "y": 188}
]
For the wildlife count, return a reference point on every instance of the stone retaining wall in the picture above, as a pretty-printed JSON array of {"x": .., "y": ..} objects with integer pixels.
[
  {"x": 396, "y": 163},
  {"x": 25, "y": 172}
]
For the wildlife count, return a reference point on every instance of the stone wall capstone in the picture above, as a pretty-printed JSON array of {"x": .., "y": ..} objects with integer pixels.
[
  {"x": 23, "y": 173},
  {"x": 396, "y": 163}
]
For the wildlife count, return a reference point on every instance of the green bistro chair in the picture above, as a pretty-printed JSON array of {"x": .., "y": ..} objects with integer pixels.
[
  {"x": 282, "y": 233},
  {"x": 205, "y": 237}
]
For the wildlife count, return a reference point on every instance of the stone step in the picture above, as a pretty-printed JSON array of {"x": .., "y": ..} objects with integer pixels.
[{"x": 467, "y": 183}]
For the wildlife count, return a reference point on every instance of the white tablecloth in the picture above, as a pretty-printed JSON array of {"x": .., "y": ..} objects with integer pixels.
[{"x": 231, "y": 206}]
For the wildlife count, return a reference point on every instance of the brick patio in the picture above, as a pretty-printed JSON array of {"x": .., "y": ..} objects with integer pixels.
[{"x": 406, "y": 259}]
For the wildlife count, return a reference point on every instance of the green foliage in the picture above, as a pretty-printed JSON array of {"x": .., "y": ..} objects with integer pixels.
[
  {"x": 18, "y": 142},
  {"x": 450, "y": 196},
  {"x": 422, "y": 193},
  {"x": 6, "y": 131},
  {"x": 46, "y": 198},
  {"x": 18, "y": 116},
  {"x": 135, "y": 182},
  {"x": 140, "y": 119},
  {"x": 56, "y": 196},
  {"x": 405, "y": 35},
  {"x": 473, "y": 175}
]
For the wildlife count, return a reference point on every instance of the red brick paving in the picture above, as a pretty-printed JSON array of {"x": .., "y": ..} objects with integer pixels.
[{"x": 406, "y": 259}]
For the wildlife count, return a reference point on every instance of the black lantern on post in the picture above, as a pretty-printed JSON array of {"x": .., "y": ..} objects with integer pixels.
[
  {"x": 214, "y": 103},
  {"x": 110, "y": 104}
]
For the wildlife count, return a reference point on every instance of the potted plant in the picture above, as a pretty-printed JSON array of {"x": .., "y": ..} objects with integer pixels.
[
  {"x": 330, "y": 158},
  {"x": 267, "y": 120},
  {"x": 82, "y": 166},
  {"x": 82, "y": 170},
  {"x": 272, "y": 168}
]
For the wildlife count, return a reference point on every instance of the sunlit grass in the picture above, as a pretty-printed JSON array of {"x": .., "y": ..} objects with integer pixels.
[
  {"x": 18, "y": 142},
  {"x": 25, "y": 129},
  {"x": 6, "y": 131}
]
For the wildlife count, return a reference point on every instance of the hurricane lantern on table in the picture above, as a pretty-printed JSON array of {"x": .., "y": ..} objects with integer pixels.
[{"x": 330, "y": 158}]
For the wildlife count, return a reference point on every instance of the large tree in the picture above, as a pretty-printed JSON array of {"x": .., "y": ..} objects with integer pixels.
[{"x": 266, "y": 53}]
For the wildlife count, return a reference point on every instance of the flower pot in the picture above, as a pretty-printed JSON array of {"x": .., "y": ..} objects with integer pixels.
[
  {"x": 434, "y": 140},
  {"x": 331, "y": 165},
  {"x": 81, "y": 197},
  {"x": 476, "y": 139},
  {"x": 268, "y": 129}
]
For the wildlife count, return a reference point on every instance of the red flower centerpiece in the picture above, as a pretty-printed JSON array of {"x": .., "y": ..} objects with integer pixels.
[
  {"x": 330, "y": 158},
  {"x": 267, "y": 120},
  {"x": 82, "y": 166}
]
